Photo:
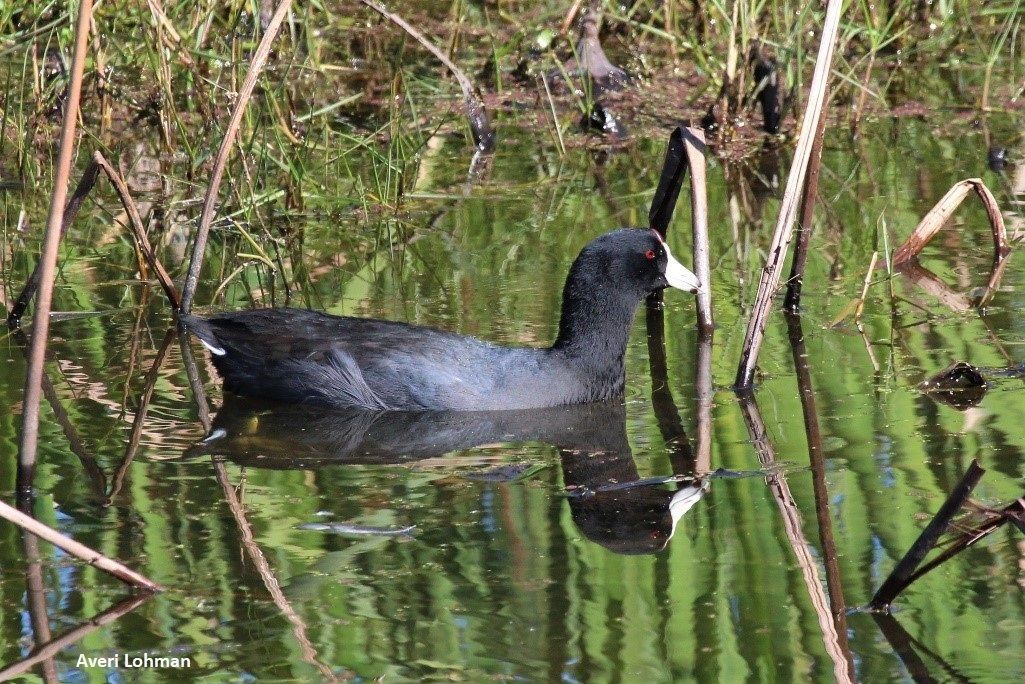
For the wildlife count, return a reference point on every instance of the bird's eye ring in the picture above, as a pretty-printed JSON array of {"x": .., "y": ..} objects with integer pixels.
[{"x": 650, "y": 254}]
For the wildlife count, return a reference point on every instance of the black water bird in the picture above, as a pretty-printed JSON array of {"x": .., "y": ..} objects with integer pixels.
[{"x": 301, "y": 356}]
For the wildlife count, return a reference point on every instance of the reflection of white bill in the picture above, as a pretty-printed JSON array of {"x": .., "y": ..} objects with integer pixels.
[{"x": 684, "y": 500}]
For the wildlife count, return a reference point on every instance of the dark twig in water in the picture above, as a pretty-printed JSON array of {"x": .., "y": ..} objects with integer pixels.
[
  {"x": 48, "y": 260},
  {"x": 667, "y": 414},
  {"x": 816, "y": 457},
  {"x": 47, "y": 651},
  {"x": 135, "y": 436},
  {"x": 674, "y": 169},
  {"x": 788, "y": 211},
  {"x": 35, "y": 590},
  {"x": 85, "y": 184},
  {"x": 77, "y": 549},
  {"x": 139, "y": 230},
  {"x": 480, "y": 124},
  {"x": 210, "y": 202},
  {"x": 793, "y": 527},
  {"x": 809, "y": 195},
  {"x": 904, "y": 573}
]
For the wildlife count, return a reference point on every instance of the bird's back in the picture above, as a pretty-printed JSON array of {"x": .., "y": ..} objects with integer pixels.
[{"x": 298, "y": 355}]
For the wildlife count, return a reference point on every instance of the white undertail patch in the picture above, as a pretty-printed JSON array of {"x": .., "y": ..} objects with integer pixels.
[{"x": 216, "y": 351}]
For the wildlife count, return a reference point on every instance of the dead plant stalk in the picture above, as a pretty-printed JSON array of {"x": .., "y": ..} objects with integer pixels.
[
  {"x": 48, "y": 261},
  {"x": 210, "y": 202},
  {"x": 138, "y": 230},
  {"x": 77, "y": 549},
  {"x": 791, "y": 198},
  {"x": 694, "y": 145}
]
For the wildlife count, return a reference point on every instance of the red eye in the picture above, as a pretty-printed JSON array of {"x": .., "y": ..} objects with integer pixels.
[{"x": 650, "y": 254}]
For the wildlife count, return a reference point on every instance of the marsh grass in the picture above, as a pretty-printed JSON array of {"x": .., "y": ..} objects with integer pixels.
[{"x": 346, "y": 112}]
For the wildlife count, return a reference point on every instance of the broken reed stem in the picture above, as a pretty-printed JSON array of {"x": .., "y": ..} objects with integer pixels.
[
  {"x": 77, "y": 549},
  {"x": 85, "y": 184},
  {"x": 900, "y": 577},
  {"x": 938, "y": 216},
  {"x": 210, "y": 201},
  {"x": 51, "y": 648},
  {"x": 48, "y": 260},
  {"x": 809, "y": 193},
  {"x": 480, "y": 124},
  {"x": 694, "y": 146},
  {"x": 788, "y": 210},
  {"x": 705, "y": 392},
  {"x": 139, "y": 231}
]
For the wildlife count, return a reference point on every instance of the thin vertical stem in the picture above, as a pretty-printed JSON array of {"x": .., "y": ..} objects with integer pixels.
[
  {"x": 27, "y": 447},
  {"x": 788, "y": 211},
  {"x": 210, "y": 202},
  {"x": 694, "y": 145},
  {"x": 809, "y": 194}
]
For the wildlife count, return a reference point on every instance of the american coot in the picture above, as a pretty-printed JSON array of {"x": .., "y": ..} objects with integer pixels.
[{"x": 294, "y": 355}]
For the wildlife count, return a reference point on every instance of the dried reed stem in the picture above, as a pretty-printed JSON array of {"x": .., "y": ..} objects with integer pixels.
[
  {"x": 938, "y": 216},
  {"x": 77, "y": 549},
  {"x": 51, "y": 648},
  {"x": 48, "y": 260},
  {"x": 694, "y": 146},
  {"x": 788, "y": 211},
  {"x": 138, "y": 230},
  {"x": 210, "y": 202}
]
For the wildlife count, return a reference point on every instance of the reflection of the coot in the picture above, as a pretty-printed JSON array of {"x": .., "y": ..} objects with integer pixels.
[{"x": 597, "y": 463}]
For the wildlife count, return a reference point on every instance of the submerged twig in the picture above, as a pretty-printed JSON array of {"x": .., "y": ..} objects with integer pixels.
[
  {"x": 85, "y": 184},
  {"x": 77, "y": 549},
  {"x": 48, "y": 260},
  {"x": 135, "y": 436},
  {"x": 44, "y": 652},
  {"x": 788, "y": 210},
  {"x": 210, "y": 201},
  {"x": 139, "y": 230},
  {"x": 904, "y": 572},
  {"x": 476, "y": 113}
]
